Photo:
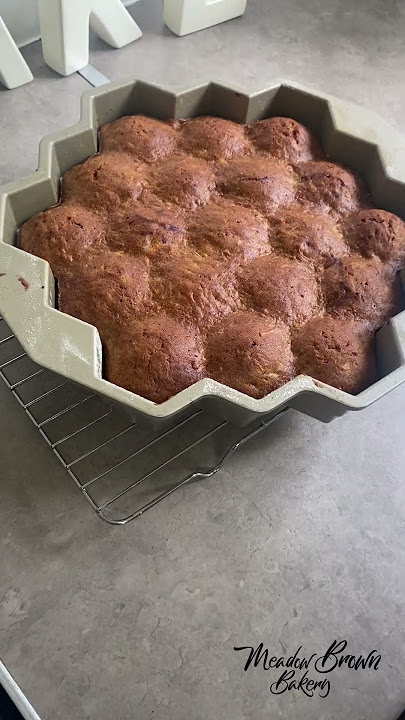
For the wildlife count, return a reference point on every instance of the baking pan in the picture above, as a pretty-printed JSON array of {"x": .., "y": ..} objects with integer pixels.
[{"x": 349, "y": 135}]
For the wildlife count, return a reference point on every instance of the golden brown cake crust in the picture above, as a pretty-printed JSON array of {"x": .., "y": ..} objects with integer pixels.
[
  {"x": 144, "y": 138},
  {"x": 156, "y": 358},
  {"x": 212, "y": 137},
  {"x": 336, "y": 351},
  {"x": 207, "y": 248},
  {"x": 285, "y": 139},
  {"x": 292, "y": 294},
  {"x": 150, "y": 227},
  {"x": 105, "y": 183},
  {"x": 330, "y": 187},
  {"x": 195, "y": 290},
  {"x": 377, "y": 233},
  {"x": 251, "y": 353},
  {"x": 227, "y": 231},
  {"x": 106, "y": 290},
  {"x": 307, "y": 236},
  {"x": 262, "y": 182},
  {"x": 184, "y": 181},
  {"x": 362, "y": 288},
  {"x": 63, "y": 236}
]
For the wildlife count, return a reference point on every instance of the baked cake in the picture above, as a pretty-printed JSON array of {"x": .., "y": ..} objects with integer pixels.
[{"x": 206, "y": 248}]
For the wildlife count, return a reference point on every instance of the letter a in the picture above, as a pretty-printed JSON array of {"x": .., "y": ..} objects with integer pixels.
[
  {"x": 187, "y": 16},
  {"x": 14, "y": 71},
  {"x": 65, "y": 30}
]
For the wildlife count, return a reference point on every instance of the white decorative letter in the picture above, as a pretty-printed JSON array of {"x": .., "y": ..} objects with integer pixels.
[
  {"x": 65, "y": 30},
  {"x": 187, "y": 16},
  {"x": 14, "y": 71}
]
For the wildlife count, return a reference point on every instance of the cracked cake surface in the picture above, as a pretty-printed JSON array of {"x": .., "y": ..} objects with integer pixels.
[{"x": 207, "y": 248}]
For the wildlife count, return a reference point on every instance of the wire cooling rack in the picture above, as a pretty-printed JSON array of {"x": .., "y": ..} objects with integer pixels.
[{"x": 122, "y": 468}]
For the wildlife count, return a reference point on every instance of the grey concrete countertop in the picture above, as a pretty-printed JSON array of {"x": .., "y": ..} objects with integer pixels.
[{"x": 298, "y": 541}]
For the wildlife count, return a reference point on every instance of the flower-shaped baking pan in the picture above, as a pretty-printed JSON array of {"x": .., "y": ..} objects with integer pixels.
[{"x": 349, "y": 135}]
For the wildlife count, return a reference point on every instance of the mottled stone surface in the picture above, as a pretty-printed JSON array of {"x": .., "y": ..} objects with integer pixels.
[{"x": 298, "y": 541}]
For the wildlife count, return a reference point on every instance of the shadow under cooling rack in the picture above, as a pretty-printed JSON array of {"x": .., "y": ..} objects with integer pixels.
[{"x": 121, "y": 468}]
